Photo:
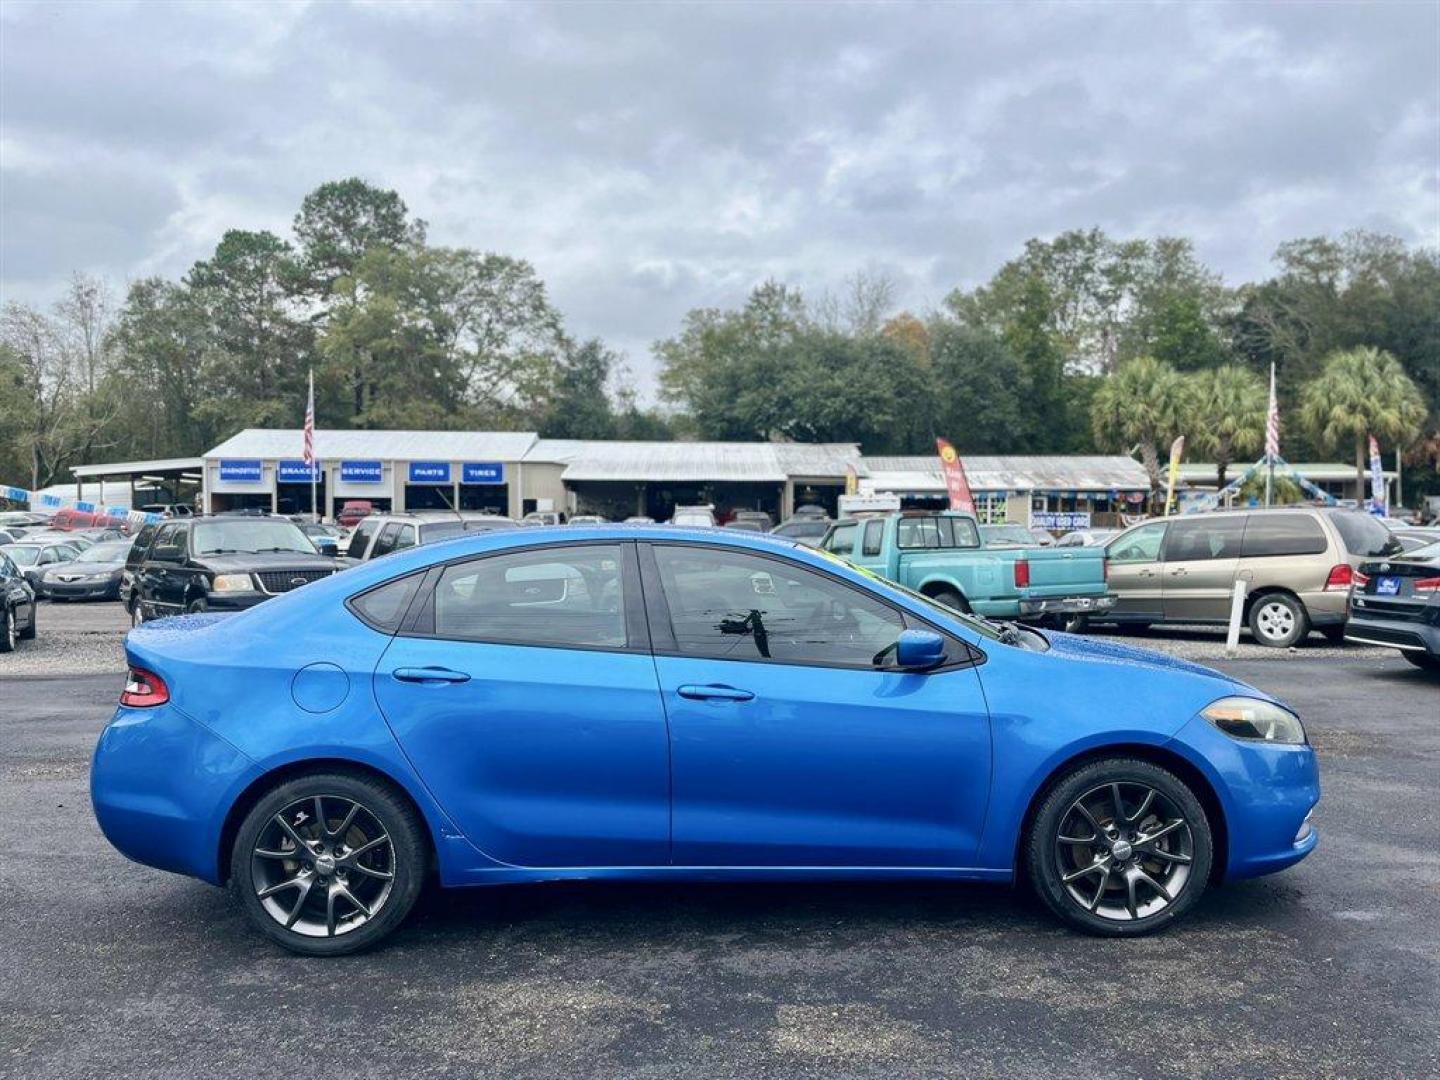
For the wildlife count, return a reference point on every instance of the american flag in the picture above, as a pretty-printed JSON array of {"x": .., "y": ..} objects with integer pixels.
[
  {"x": 310, "y": 424},
  {"x": 1272, "y": 422}
]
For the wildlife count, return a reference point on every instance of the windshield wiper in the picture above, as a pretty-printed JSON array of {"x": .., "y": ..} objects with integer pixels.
[{"x": 269, "y": 551}]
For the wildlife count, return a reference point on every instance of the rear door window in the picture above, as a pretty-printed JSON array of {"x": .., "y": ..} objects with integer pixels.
[
  {"x": 1204, "y": 538},
  {"x": 1282, "y": 534},
  {"x": 385, "y": 542},
  {"x": 360, "y": 539},
  {"x": 1363, "y": 535}
]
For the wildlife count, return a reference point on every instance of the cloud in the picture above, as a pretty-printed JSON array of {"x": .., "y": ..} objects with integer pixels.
[{"x": 650, "y": 158}]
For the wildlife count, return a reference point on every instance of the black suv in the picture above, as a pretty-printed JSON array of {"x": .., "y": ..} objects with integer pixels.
[{"x": 219, "y": 564}]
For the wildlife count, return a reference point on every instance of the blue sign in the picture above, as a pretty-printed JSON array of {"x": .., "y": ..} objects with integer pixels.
[
  {"x": 297, "y": 472},
  {"x": 361, "y": 472},
  {"x": 85, "y": 507},
  {"x": 15, "y": 494},
  {"x": 241, "y": 472},
  {"x": 1079, "y": 520},
  {"x": 482, "y": 472},
  {"x": 429, "y": 472}
]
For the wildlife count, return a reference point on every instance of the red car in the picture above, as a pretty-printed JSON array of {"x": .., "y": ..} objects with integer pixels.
[{"x": 351, "y": 513}]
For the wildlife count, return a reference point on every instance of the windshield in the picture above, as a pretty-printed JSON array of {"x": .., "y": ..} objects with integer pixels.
[
  {"x": 22, "y": 556},
  {"x": 1429, "y": 551},
  {"x": 249, "y": 538},
  {"x": 111, "y": 551}
]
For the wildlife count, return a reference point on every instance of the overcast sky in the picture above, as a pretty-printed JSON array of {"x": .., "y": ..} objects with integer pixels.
[{"x": 650, "y": 159}]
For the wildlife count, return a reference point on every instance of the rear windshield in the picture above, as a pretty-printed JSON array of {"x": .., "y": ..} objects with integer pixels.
[
  {"x": 1363, "y": 535},
  {"x": 936, "y": 532},
  {"x": 814, "y": 527}
]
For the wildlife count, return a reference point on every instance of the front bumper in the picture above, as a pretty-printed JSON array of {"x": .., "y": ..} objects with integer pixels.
[
  {"x": 1068, "y": 605},
  {"x": 83, "y": 590},
  {"x": 160, "y": 784},
  {"x": 1267, "y": 792}
]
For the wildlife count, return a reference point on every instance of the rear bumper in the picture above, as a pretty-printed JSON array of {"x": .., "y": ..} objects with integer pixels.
[
  {"x": 1404, "y": 634},
  {"x": 160, "y": 784},
  {"x": 1068, "y": 605}
]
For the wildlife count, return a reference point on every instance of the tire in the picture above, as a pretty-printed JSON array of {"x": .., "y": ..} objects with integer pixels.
[
  {"x": 1278, "y": 620},
  {"x": 1122, "y": 905},
  {"x": 196, "y": 607},
  {"x": 1074, "y": 624},
  {"x": 382, "y": 815},
  {"x": 8, "y": 634},
  {"x": 952, "y": 599},
  {"x": 1424, "y": 661},
  {"x": 28, "y": 634}
]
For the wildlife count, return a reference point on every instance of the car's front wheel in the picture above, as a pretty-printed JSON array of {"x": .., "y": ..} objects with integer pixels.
[
  {"x": 329, "y": 863},
  {"x": 1120, "y": 847}
]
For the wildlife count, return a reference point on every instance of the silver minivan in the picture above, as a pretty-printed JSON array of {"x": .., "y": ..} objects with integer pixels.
[{"x": 1297, "y": 563}]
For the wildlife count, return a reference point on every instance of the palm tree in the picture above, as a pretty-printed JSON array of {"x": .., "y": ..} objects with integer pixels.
[
  {"x": 1361, "y": 392},
  {"x": 1144, "y": 403},
  {"x": 1229, "y": 414}
]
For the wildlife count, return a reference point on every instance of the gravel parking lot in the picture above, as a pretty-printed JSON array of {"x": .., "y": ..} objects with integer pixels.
[{"x": 1331, "y": 969}]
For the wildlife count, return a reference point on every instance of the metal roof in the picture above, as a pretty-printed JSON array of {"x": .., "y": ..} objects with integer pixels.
[
  {"x": 385, "y": 445},
  {"x": 1311, "y": 470},
  {"x": 126, "y": 468},
  {"x": 675, "y": 462},
  {"x": 921, "y": 472}
]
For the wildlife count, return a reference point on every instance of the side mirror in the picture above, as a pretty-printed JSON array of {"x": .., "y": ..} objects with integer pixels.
[
  {"x": 166, "y": 553},
  {"x": 919, "y": 650}
]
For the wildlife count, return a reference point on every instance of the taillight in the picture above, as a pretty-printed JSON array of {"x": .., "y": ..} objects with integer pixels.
[
  {"x": 144, "y": 689},
  {"x": 1426, "y": 584},
  {"x": 1361, "y": 580},
  {"x": 1340, "y": 577},
  {"x": 1022, "y": 573}
]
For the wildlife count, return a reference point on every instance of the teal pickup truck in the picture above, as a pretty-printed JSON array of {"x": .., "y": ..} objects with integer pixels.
[{"x": 941, "y": 555}]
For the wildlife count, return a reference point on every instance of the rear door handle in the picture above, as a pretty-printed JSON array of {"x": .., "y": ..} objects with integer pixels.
[
  {"x": 429, "y": 675},
  {"x": 714, "y": 693}
]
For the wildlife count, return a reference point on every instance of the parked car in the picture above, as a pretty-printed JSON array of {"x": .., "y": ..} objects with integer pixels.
[
  {"x": 22, "y": 519},
  {"x": 197, "y": 564},
  {"x": 760, "y": 517},
  {"x": 76, "y": 542},
  {"x": 1043, "y": 537},
  {"x": 383, "y": 534},
  {"x": 807, "y": 529},
  {"x": 1395, "y": 602},
  {"x": 543, "y": 517},
  {"x": 658, "y": 705},
  {"x": 745, "y": 525},
  {"x": 34, "y": 559},
  {"x": 165, "y": 509},
  {"x": 134, "y": 558},
  {"x": 1298, "y": 563},
  {"x": 68, "y": 519},
  {"x": 1009, "y": 535},
  {"x": 17, "y": 605},
  {"x": 95, "y": 574},
  {"x": 326, "y": 538},
  {"x": 810, "y": 510},
  {"x": 693, "y": 515},
  {"x": 639, "y": 519},
  {"x": 587, "y": 519},
  {"x": 1086, "y": 537},
  {"x": 9, "y": 536},
  {"x": 352, "y": 511},
  {"x": 940, "y": 556}
]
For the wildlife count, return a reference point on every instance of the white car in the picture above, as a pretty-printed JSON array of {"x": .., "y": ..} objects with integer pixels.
[{"x": 693, "y": 515}]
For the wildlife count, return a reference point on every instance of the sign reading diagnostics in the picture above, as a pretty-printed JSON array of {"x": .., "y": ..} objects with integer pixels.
[{"x": 241, "y": 471}]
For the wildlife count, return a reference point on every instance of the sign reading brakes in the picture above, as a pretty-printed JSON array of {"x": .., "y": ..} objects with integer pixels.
[
  {"x": 297, "y": 472},
  {"x": 429, "y": 472},
  {"x": 241, "y": 471}
]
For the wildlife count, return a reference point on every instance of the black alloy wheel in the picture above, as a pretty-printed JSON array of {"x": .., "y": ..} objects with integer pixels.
[
  {"x": 329, "y": 864},
  {"x": 1120, "y": 847}
]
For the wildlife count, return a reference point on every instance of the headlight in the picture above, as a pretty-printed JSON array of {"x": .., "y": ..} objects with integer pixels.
[
  {"x": 1255, "y": 720},
  {"x": 231, "y": 583}
]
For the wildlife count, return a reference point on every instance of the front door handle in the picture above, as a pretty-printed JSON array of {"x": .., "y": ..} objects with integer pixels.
[
  {"x": 714, "y": 693},
  {"x": 1179, "y": 572},
  {"x": 434, "y": 675}
]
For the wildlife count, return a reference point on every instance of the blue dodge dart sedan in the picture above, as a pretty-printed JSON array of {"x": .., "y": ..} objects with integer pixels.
[{"x": 662, "y": 704}]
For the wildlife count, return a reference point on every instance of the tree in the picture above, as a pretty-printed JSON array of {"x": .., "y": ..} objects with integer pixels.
[
  {"x": 1145, "y": 403},
  {"x": 1361, "y": 392},
  {"x": 979, "y": 390},
  {"x": 1228, "y": 414},
  {"x": 580, "y": 407},
  {"x": 340, "y": 221}
]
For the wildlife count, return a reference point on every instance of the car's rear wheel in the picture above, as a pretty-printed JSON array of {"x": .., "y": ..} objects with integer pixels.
[
  {"x": 1424, "y": 661},
  {"x": 1120, "y": 847},
  {"x": 1334, "y": 634},
  {"x": 1279, "y": 620},
  {"x": 329, "y": 864},
  {"x": 9, "y": 636}
]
